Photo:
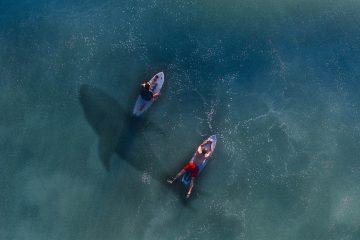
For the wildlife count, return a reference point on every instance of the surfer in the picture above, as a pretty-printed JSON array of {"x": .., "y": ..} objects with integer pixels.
[
  {"x": 150, "y": 91},
  {"x": 202, "y": 153},
  {"x": 146, "y": 92}
]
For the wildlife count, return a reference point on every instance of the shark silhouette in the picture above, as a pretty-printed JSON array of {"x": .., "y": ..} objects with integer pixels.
[
  {"x": 117, "y": 129},
  {"x": 122, "y": 133}
]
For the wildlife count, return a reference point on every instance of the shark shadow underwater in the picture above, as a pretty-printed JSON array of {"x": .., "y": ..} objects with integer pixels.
[{"x": 121, "y": 133}]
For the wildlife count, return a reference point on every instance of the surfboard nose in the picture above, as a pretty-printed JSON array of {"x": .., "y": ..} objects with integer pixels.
[
  {"x": 160, "y": 74},
  {"x": 213, "y": 137}
]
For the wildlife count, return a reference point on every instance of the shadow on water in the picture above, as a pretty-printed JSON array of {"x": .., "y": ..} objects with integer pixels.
[
  {"x": 121, "y": 133},
  {"x": 118, "y": 131}
]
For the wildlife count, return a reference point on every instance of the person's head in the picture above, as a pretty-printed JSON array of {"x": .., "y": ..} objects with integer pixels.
[
  {"x": 203, "y": 150},
  {"x": 147, "y": 86}
]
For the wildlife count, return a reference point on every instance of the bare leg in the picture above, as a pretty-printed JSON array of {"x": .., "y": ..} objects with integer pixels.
[{"x": 191, "y": 187}]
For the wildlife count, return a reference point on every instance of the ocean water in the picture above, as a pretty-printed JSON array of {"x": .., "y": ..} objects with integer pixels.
[{"x": 277, "y": 81}]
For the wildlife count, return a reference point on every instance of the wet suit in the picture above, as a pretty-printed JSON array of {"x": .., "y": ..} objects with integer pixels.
[{"x": 147, "y": 95}]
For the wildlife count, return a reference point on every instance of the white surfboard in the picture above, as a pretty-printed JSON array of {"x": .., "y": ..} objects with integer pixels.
[
  {"x": 186, "y": 179},
  {"x": 156, "y": 83}
]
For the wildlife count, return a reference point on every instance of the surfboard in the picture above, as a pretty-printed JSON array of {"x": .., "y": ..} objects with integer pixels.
[
  {"x": 186, "y": 179},
  {"x": 156, "y": 83}
]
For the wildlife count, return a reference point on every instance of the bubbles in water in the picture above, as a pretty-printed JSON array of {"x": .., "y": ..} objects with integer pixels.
[{"x": 146, "y": 178}]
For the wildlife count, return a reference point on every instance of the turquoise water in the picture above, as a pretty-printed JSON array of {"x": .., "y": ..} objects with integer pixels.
[{"x": 277, "y": 81}]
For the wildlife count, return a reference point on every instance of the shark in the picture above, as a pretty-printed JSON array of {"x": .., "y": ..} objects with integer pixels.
[{"x": 122, "y": 133}]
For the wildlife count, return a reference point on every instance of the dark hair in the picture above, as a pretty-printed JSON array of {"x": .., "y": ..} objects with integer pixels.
[
  {"x": 147, "y": 86},
  {"x": 203, "y": 151}
]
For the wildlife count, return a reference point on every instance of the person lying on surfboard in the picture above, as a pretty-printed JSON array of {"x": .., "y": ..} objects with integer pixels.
[
  {"x": 146, "y": 92},
  {"x": 199, "y": 157}
]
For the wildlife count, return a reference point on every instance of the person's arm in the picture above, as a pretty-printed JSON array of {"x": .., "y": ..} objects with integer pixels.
[
  {"x": 205, "y": 142},
  {"x": 201, "y": 145},
  {"x": 191, "y": 187},
  {"x": 176, "y": 176},
  {"x": 155, "y": 95}
]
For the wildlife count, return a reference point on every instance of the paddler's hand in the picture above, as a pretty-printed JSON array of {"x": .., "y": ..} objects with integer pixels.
[{"x": 156, "y": 95}]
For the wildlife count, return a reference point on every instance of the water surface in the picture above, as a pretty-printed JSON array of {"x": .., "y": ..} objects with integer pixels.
[{"x": 278, "y": 81}]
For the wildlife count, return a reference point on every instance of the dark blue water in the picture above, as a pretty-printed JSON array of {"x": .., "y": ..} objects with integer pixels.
[{"x": 277, "y": 81}]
